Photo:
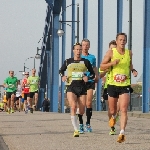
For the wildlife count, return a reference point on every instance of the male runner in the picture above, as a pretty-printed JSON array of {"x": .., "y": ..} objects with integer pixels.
[
  {"x": 11, "y": 84},
  {"x": 76, "y": 80},
  {"x": 33, "y": 82},
  {"x": 90, "y": 87},
  {"x": 26, "y": 92},
  {"x": 119, "y": 60}
]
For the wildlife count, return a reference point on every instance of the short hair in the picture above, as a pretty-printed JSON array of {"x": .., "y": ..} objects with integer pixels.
[
  {"x": 76, "y": 45},
  {"x": 85, "y": 40},
  {"x": 11, "y": 71},
  {"x": 121, "y": 34},
  {"x": 113, "y": 42}
]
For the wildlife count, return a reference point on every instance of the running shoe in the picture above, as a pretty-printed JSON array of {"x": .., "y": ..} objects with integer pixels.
[
  {"x": 112, "y": 132},
  {"x": 12, "y": 110},
  {"x": 8, "y": 111},
  {"x": 81, "y": 128},
  {"x": 121, "y": 138},
  {"x": 76, "y": 133},
  {"x": 31, "y": 110},
  {"x": 112, "y": 122},
  {"x": 88, "y": 128}
]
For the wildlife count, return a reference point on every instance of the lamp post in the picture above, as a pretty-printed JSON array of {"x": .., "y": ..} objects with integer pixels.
[
  {"x": 38, "y": 56},
  {"x": 26, "y": 60},
  {"x": 61, "y": 32}
]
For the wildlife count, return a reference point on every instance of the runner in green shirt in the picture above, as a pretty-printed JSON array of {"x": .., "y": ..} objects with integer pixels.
[
  {"x": 11, "y": 84},
  {"x": 33, "y": 82}
]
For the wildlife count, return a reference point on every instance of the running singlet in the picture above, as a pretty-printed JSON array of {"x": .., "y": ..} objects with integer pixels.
[
  {"x": 19, "y": 91},
  {"x": 120, "y": 73},
  {"x": 26, "y": 87},
  {"x": 34, "y": 83},
  {"x": 12, "y": 84},
  {"x": 92, "y": 60},
  {"x": 76, "y": 70}
]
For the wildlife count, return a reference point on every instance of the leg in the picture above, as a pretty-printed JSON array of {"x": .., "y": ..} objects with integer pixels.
[
  {"x": 12, "y": 102},
  {"x": 72, "y": 99},
  {"x": 36, "y": 100}
]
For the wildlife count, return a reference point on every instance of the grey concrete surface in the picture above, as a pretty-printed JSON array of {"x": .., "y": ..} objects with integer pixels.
[{"x": 53, "y": 131}]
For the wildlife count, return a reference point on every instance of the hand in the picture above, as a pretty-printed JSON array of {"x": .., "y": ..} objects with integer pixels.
[
  {"x": 64, "y": 78},
  {"x": 85, "y": 78},
  {"x": 135, "y": 73},
  {"x": 96, "y": 79},
  {"x": 115, "y": 62}
]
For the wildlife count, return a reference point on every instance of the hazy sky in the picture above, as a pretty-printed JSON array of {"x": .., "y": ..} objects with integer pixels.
[{"x": 22, "y": 25}]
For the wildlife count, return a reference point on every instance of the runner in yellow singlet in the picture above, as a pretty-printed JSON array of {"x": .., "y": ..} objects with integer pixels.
[{"x": 119, "y": 61}]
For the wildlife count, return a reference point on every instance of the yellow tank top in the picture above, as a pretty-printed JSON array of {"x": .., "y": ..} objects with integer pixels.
[{"x": 120, "y": 74}]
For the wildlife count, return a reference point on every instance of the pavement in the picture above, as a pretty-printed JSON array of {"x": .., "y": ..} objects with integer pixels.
[{"x": 53, "y": 131}]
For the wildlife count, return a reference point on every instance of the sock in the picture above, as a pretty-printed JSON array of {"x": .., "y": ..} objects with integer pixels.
[
  {"x": 113, "y": 116},
  {"x": 80, "y": 119},
  {"x": 122, "y": 132},
  {"x": 77, "y": 112},
  {"x": 74, "y": 122},
  {"x": 88, "y": 114}
]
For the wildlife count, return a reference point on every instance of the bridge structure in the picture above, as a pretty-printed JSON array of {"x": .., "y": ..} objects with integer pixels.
[{"x": 49, "y": 64}]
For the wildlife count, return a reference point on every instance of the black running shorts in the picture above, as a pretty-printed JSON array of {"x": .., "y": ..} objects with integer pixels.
[
  {"x": 90, "y": 85},
  {"x": 77, "y": 90},
  {"x": 115, "y": 91}
]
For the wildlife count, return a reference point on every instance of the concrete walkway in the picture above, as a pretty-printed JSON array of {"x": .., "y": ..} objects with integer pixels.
[{"x": 53, "y": 131}]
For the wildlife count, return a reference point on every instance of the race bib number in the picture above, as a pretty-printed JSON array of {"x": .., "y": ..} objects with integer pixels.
[
  {"x": 33, "y": 81},
  {"x": 77, "y": 75},
  {"x": 120, "y": 78},
  {"x": 11, "y": 86}
]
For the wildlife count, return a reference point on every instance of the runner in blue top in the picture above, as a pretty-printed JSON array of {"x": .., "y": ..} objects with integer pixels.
[{"x": 90, "y": 86}]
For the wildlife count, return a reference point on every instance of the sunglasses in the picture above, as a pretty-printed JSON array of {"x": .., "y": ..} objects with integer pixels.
[{"x": 26, "y": 74}]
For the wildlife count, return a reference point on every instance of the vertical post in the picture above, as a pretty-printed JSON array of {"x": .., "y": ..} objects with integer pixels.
[
  {"x": 130, "y": 40},
  {"x": 100, "y": 48},
  {"x": 41, "y": 97},
  {"x": 119, "y": 15},
  {"x": 63, "y": 54},
  {"x": 55, "y": 65},
  {"x": 146, "y": 59},
  {"x": 34, "y": 62},
  {"x": 73, "y": 26},
  {"x": 85, "y": 18},
  {"x": 24, "y": 68},
  {"x": 48, "y": 73},
  {"x": 77, "y": 22}
]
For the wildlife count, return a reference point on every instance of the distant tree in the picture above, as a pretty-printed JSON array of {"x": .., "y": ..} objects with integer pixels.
[{"x": 137, "y": 89}]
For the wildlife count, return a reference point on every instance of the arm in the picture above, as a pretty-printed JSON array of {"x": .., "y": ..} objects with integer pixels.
[
  {"x": 96, "y": 74},
  {"x": 5, "y": 83},
  {"x": 102, "y": 73},
  {"x": 134, "y": 72},
  {"x": 106, "y": 64},
  {"x": 62, "y": 70},
  {"x": 90, "y": 69}
]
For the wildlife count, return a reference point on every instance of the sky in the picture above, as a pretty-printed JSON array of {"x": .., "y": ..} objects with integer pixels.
[{"x": 22, "y": 25}]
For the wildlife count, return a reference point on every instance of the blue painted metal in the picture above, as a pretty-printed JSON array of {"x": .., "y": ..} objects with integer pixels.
[
  {"x": 55, "y": 65},
  {"x": 63, "y": 54},
  {"x": 41, "y": 97},
  {"x": 146, "y": 60},
  {"x": 73, "y": 26},
  {"x": 85, "y": 18},
  {"x": 119, "y": 15},
  {"x": 100, "y": 49}
]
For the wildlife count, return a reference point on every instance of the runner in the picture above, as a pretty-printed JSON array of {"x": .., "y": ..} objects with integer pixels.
[
  {"x": 90, "y": 87},
  {"x": 33, "y": 82},
  {"x": 5, "y": 100},
  {"x": 25, "y": 92},
  {"x": 18, "y": 96},
  {"x": 11, "y": 84},
  {"x": 76, "y": 91},
  {"x": 119, "y": 60}
]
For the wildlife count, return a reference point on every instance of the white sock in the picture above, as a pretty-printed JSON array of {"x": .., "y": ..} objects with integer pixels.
[
  {"x": 74, "y": 122},
  {"x": 113, "y": 116},
  {"x": 77, "y": 112},
  {"x": 122, "y": 132}
]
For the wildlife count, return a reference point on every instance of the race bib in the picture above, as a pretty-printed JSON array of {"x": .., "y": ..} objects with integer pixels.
[
  {"x": 10, "y": 85},
  {"x": 120, "y": 78},
  {"x": 77, "y": 75}
]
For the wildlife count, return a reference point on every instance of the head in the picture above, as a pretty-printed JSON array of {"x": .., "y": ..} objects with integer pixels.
[
  {"x": 11, "y": 73},
  {"x": 112, "y": 44},
  {"x": 85, "y": 45},
  {"x": 33, "y": 71},
  {"x": 26, "y": 74},
  {"x": 121, "y": 40},
  {"x": 77, "y": 49}
]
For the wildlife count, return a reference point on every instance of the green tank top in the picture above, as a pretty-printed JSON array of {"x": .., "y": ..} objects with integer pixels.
[
  {"x": 75, "y": 71},
  {"x": 120, "y": 74}
]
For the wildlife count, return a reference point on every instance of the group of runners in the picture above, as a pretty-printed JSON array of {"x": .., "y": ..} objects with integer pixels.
[
  {"x": 82, "y": 74},
  {"x": 18, "y": 93}
]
